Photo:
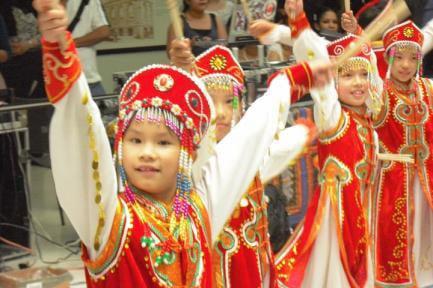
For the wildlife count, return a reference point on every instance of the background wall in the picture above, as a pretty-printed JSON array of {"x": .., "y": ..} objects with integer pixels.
[{"x": 110, "y": 63}]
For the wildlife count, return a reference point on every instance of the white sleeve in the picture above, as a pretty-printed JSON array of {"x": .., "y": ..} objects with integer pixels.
[
  {"x": 98, "y": 15},
  {"x": 428, "y": 37},
  {"x": 291, "y": 141},
  {"x": 280, "y": 34},
  {"x": 71, "y": 160},
  {"x": 327, "y": 108},
  {"x": 228, "y": 173}
]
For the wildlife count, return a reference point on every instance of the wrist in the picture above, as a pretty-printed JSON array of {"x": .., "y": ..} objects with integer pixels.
[
  {"x": 300, "y": 75},
  {"x": 299, "y": 24}
]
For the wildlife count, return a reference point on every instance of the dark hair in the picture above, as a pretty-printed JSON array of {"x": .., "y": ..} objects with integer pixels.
[
  {"x": 278, "y": 218},
  {"x": 322, "y": 10},
  {"x": 280, "y": 16},
  {"x": 185, "y": 6}
]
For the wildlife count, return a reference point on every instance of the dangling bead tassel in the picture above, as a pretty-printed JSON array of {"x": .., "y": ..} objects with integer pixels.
[{"x": 419, "y": 71}]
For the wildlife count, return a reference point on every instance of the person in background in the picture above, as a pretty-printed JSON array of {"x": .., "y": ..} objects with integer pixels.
[
  {"x": 23, "y": 71},
  {"x": 5, "y": 49},
  {"x": 204, "y": 29},
  {"x": 91, "y": 29},
  {"x": 221, "y": 8},
  {"x": 405, "y": 190},
  {"x": 326, "y": 18}
]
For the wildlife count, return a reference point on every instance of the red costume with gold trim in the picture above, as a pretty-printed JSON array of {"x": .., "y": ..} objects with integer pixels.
[
  {"x": 405, "y": 126},
  {"x": 124, "y": 262},
  {"x": 242, "y": 255},
  {"x": 345, "y": 183},
  {"x": 142, "y": 249},
  {"x": 243, "y": 247},
  {"x": 113, "y": 229}
]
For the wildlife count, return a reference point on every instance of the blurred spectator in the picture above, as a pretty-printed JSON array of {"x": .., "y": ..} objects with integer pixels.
[
  {"x": 89, "y": 26},
  {"x": 204, "y": 29},
  {"x": 24, "y": 70},
  {"x": 326, "y": 18}
]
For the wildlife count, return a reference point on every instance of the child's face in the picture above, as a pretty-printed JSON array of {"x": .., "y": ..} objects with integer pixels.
[
  {"x": 328, "y": 21},
  {"x": 353, "y": 87},
  {"x": 405, "y": 65},
  {"x": 151, "y": 158},
  {"x": 223, "y": 102}
]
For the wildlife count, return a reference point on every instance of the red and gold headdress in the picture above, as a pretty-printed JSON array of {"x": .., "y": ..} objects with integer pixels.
[
  {"x": 219, "y": 61},
  {"x": 219, "y": 69},
  {"x": 362, "y": 60},
  {"x": 167, "y": 95},
  {"x": 402, "y": 36}
]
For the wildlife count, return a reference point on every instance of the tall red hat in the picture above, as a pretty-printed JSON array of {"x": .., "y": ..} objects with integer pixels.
[
  {"x": 170, "y": 89},
  {"x": 403, "y": 33},
  {"x": 219, "y": 61},
  {"x": 340, "y": 46}
]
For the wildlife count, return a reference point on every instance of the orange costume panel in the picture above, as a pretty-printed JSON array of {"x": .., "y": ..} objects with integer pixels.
[
  {"x": 405, "y": 126},
  {"x": 243, "y": 247},
  {"x": 130, "y": 260},
  {"x": 344, "y": 180}
]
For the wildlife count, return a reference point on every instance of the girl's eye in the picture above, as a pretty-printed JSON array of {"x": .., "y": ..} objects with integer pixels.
[
  {"x": 135, "y": 140},
  {"x": 164, "y": 142},
  {"x": 347, "y": 75},
  {"x": 229, "y": 101}
]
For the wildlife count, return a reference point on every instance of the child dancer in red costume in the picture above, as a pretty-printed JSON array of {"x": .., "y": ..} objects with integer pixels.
[
  {"x": 147, "y": 226},
  {"x": 243, "y": 247},
  {"x": 403, "y": 222},
  {"x": 330, "y": 247}
]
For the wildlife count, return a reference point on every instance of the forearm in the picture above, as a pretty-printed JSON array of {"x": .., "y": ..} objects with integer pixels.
[
  {"x": 98, "y": 35},
  {"x": 282, "y": 152}
]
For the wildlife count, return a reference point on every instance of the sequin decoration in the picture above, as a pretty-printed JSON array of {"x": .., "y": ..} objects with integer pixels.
[
  {"x": 163, "y": 82},
  {"x": 95, "y": 175}
]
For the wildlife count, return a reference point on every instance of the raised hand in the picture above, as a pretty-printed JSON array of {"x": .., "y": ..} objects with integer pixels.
[
  {"x": 322, "y": 71},
  {"x": 349, "y": 22},
  {"x": 180, "y": 54},
  {"x": 260, "y": 27},
  {"x": 52, "y": 19},
  {"x": 293, "y": 8}
]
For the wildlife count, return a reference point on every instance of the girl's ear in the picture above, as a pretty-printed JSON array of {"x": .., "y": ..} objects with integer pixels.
[
  {"x": 316, "y": 26},
  {"x": 194, "y": 156}
]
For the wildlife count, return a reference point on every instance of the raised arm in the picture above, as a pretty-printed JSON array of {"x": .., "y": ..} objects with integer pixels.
[
  {"x": 288, "y": 146},
  {"x": 238, "y": 157},
  {"x": 81, "y": 158}
]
